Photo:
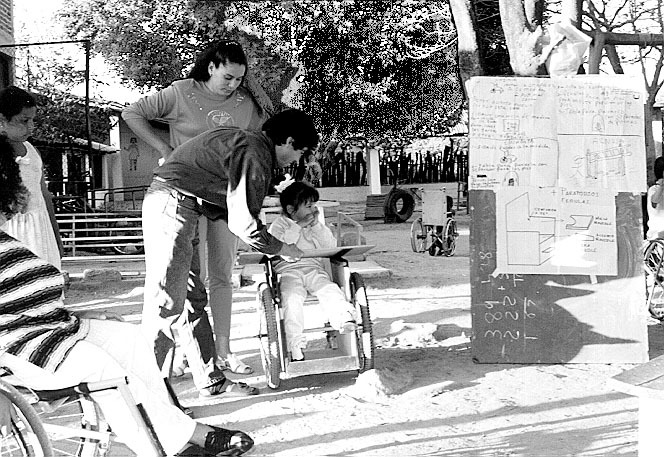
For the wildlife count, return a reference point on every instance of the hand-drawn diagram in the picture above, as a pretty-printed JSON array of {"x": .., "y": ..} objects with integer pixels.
[
  {"x": 569, "y": 132},
  {"x": 555, "y": 231},
  {"x": 530, "y": 236}
]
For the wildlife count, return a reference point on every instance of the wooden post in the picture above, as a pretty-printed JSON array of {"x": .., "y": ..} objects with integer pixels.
[{"x": 373, "y": 171}]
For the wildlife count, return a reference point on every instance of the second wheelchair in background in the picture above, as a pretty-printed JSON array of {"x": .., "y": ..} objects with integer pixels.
[{"x": 436, "y": 230}]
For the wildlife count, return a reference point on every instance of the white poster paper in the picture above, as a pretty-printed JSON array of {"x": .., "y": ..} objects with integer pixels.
[
  {"x": 555, "y": 231},
  {"x": 582, "y": 132}
]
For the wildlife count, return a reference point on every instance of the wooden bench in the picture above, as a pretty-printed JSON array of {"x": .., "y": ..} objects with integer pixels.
[{"x": 646, "y": 381}]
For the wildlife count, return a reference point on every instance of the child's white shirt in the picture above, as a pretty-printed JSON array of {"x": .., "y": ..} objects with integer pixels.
[{"x": 318, "y": 236}]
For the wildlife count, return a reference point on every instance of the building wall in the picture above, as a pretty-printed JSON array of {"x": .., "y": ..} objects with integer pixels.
[
  {"x": 137, "y": 158},
  {"x": 6, "y": 37}
]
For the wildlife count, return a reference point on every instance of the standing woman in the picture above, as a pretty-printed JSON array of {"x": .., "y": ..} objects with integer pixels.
[
  {"x": 36, "y": 226},
  {"x": 211, "y": 96}
]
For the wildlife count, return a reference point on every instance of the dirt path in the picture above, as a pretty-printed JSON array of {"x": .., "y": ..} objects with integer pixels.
[{"x": 438, "y": 402}]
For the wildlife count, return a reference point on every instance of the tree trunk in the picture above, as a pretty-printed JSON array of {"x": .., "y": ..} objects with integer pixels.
[
  {"x": 470, "y": 62},
  {"x": 523, "y": 38},
  {"x": 573, "y": 10}
]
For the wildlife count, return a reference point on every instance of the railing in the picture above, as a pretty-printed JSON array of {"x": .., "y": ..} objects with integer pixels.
[{"x": 118, "y": 233}]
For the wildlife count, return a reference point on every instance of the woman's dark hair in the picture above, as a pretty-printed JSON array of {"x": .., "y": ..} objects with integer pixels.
[
  {"x": 292, "y": 123},
  {"x": 13, "y": 99},
  {"x": 224, "y": 51},
  {"x": 298, "y": 193},
  {"x": 14, "y": 195}
]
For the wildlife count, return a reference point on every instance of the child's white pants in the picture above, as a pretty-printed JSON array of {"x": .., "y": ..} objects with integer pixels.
[{"x": 295, "y": 285}]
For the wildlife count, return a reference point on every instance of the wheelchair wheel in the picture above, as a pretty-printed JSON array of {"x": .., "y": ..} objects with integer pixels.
[
  {"x": 653, "y": 259},
  {"x": 269, "y": 337},
  {"x": 27, "y": 436},
  {"x": 365, "y": 337},
  {"x": 76, "y": 427},
  {"x": 418, "y": 236},
  {"x": 449, "y": 238}
]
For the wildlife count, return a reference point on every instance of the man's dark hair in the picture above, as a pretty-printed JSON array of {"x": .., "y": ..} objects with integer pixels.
[
  {"x": 659, "y": 167},
  {"x": 292, "y": 123}
]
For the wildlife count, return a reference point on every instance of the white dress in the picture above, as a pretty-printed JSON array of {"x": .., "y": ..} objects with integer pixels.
[{"x": 33, "y": 228}]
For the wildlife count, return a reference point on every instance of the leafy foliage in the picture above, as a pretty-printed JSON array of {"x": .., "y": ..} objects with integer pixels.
[{"x": 355, "y": 73}]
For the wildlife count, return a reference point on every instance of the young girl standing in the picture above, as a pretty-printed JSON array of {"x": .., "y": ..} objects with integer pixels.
[
  {"x": 299, "y": 224},
  {"x": 36, "y": 228}
]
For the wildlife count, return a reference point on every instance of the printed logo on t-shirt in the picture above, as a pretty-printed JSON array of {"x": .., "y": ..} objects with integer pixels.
[{"x": 219, "y": 118}]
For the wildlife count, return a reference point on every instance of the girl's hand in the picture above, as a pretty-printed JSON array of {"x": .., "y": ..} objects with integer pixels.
[{"x": 310, "y": 220}]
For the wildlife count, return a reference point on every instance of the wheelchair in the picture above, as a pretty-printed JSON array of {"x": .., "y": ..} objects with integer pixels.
[
  {"x": 436, "y": 230},
  {"x": 337, "y": 353},
  {"x": 653, "y": 258},
  {"x": 64, "y": 421}
]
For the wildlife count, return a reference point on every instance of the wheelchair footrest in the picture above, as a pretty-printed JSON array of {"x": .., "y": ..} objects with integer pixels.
[{"x": 322, "y": 365}]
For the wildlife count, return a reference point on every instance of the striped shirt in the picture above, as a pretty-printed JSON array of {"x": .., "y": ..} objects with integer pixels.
[{"x": 34, "y": 324}]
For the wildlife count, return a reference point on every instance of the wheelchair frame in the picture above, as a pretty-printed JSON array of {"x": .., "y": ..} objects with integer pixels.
[
  {"x": 433, "y": 231},
  {"x": 653, "y": 259},
  {"x": 64, "y": 422},
  {"x": 355, "y": 350}
]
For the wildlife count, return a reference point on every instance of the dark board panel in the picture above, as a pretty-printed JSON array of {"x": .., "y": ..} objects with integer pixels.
[{"x": 557, "y": 318}]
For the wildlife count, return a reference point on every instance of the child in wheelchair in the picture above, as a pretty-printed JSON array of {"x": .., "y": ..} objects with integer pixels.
[{"x": 302, "y": 224}]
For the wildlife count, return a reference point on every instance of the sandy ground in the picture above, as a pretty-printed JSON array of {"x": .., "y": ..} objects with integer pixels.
[{"x": 426, "y": 396}]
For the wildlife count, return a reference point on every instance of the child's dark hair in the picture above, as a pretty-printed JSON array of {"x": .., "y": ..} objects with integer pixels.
[
  {"x": 298, "y": 193},
  {"x": 13, "y": 99},
  {"x": 220, "y": 52},
  {"x": 659, "y": 167},
  {"x": 14, "y": 195}
]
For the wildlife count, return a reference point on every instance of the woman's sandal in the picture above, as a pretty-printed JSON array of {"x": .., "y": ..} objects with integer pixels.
[
  {"x": 228, "y": 388},
  {"x": 234, "y": 365}
]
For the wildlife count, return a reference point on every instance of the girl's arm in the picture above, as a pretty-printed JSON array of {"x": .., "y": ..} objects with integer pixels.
[
  {"x": 322, "y": 234},
  {"x": 48, "y": 199}
]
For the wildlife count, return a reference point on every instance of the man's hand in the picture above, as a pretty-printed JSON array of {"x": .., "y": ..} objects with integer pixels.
[{"x": 290, "y": 253}]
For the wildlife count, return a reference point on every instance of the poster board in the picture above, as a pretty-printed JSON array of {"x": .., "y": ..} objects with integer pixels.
[{"x": 556, "y": 272}]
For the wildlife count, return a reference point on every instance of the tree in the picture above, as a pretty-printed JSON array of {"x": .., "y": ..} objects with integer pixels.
[
  {"x": 362, "y": 66},
  {"x": 635, "y": 17},
  {"x": 52, "y": 72}
]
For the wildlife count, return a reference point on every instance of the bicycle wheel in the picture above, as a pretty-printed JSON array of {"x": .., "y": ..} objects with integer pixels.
[
  {"x": 130, "y": 241},
  {"x": 268, "y": 335},
  {"x": 449, "y": 237},
  {"x": 418, "y": 236},
  {"x": 27, "y": 436},
  {"x": 365, "y": 339}
]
